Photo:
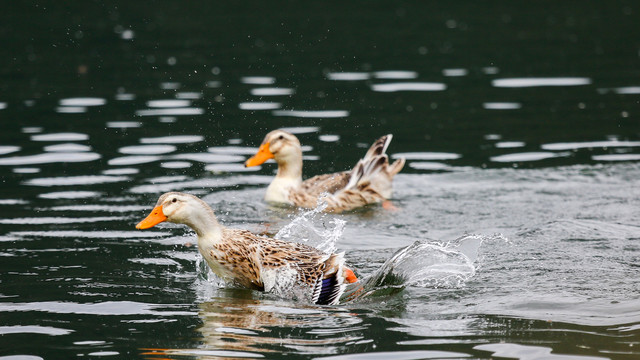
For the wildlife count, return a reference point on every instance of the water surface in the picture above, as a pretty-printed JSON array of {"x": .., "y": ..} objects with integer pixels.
[{"x": 516, "y": 229}]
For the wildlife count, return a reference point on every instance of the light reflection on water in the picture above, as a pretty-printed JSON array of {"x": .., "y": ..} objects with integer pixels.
[
  {"x": 408, "y": 86},
  {"x": 533, "y": 82}
]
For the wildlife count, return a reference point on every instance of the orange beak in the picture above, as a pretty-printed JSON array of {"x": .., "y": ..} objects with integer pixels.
[
  {"x": 155, "y": 218},
  {"x": 260, "y": 157}
]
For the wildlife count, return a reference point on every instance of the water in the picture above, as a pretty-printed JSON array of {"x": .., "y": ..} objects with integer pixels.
[{"x": 516, "y": 234}]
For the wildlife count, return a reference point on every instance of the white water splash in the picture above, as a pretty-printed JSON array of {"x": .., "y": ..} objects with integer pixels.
[
  {"x": 312, "y": 227},
  {"x": 429, "y": 264}
]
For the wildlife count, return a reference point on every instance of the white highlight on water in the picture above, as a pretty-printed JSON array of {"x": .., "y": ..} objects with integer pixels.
[{"x": 534, "y": 82}]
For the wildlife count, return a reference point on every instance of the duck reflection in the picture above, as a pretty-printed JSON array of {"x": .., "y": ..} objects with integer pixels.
[{"x": 241, "y": 323}]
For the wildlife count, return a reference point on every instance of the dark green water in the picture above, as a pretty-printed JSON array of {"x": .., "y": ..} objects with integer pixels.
[{"x": 520, "y": 127}]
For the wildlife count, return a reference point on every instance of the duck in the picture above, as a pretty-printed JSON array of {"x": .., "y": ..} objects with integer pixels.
[
  {"x": 369, "y": 182},
  {"x": 254, "y": 261}
]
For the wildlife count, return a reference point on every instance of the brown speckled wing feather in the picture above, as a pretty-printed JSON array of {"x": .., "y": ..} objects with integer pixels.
[
  {"x": 245, "y": 254},
  {"x": 307, "y": 194},
  {"x": 329, "y": 183}
]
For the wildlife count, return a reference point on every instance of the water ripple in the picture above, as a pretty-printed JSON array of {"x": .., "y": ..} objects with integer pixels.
[
  {"x": 69, "y": 195},
  {"x": 348, "y": 76},
  {"x": 67, "y": 147},
  {"x": 8, "y": 149},
  {"x": 90, "y": 234},
  {"x": 209, "y": 157},
  {"x": 526, "y": 156},
  {"x": 170, "y": 103},
  {"x": 616, "y": 157},
  {"x": 301, "y": 129},
  {"x": 133, "y": 160},
  {"x": 58, "y": 220},
  {"x": 627, "y": 90},
  {"x": 175, "y": 164},
  {"x": 501, "y": 105},
  {"x": 175, "y": 139},
  {"x": 259, "y": 105},
  {"x": 590, "y": 144},
  {"x": 272, "y": 91},
  {"x": 33, "y": 329},
  {"x": 455, "y": 72},
  {"x": 525, "y": 352},
  {"x": 170, "y": 111},
  {"x": 534, "y": 82},
  {"x": 395, "y": 74},
  {"x": 312, "y": 114},
  {"x": 408, "y": 86},
  {"x": 118, "y": 308},
  {"x": 509, "y": 144},
  {"x": 67, "y": 136},
  {"x": 49, "y": 158},
  {"x": 123, "y": 124},
  {"x": 233, "y": 150},
  {"x": 76, "y": 180},
  {"x": 258, "y": 80},
  {"x": 426, "y": 156},
  {"x": 147, "y": 149},
  {"x": 83, "y": 101}
]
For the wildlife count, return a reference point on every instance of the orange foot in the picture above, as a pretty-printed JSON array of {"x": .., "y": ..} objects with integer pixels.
[
  {"x": 349, "y": 276},
  {"x": 388, "y": 205}
]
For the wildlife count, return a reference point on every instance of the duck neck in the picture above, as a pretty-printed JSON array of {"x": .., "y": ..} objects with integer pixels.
[
  {"x": 290, "y": 168},
  {"x": 205, "y": 224}
]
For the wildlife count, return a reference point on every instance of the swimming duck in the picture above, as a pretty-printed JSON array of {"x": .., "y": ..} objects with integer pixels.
[
  {"x": 250, "y": 260},
  {"x": 368, "y": 182}
]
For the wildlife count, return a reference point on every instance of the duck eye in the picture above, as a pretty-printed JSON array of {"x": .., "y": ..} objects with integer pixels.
[
  {"x": 174, "y": 200},
  {"x": 281, "y": 137}
]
